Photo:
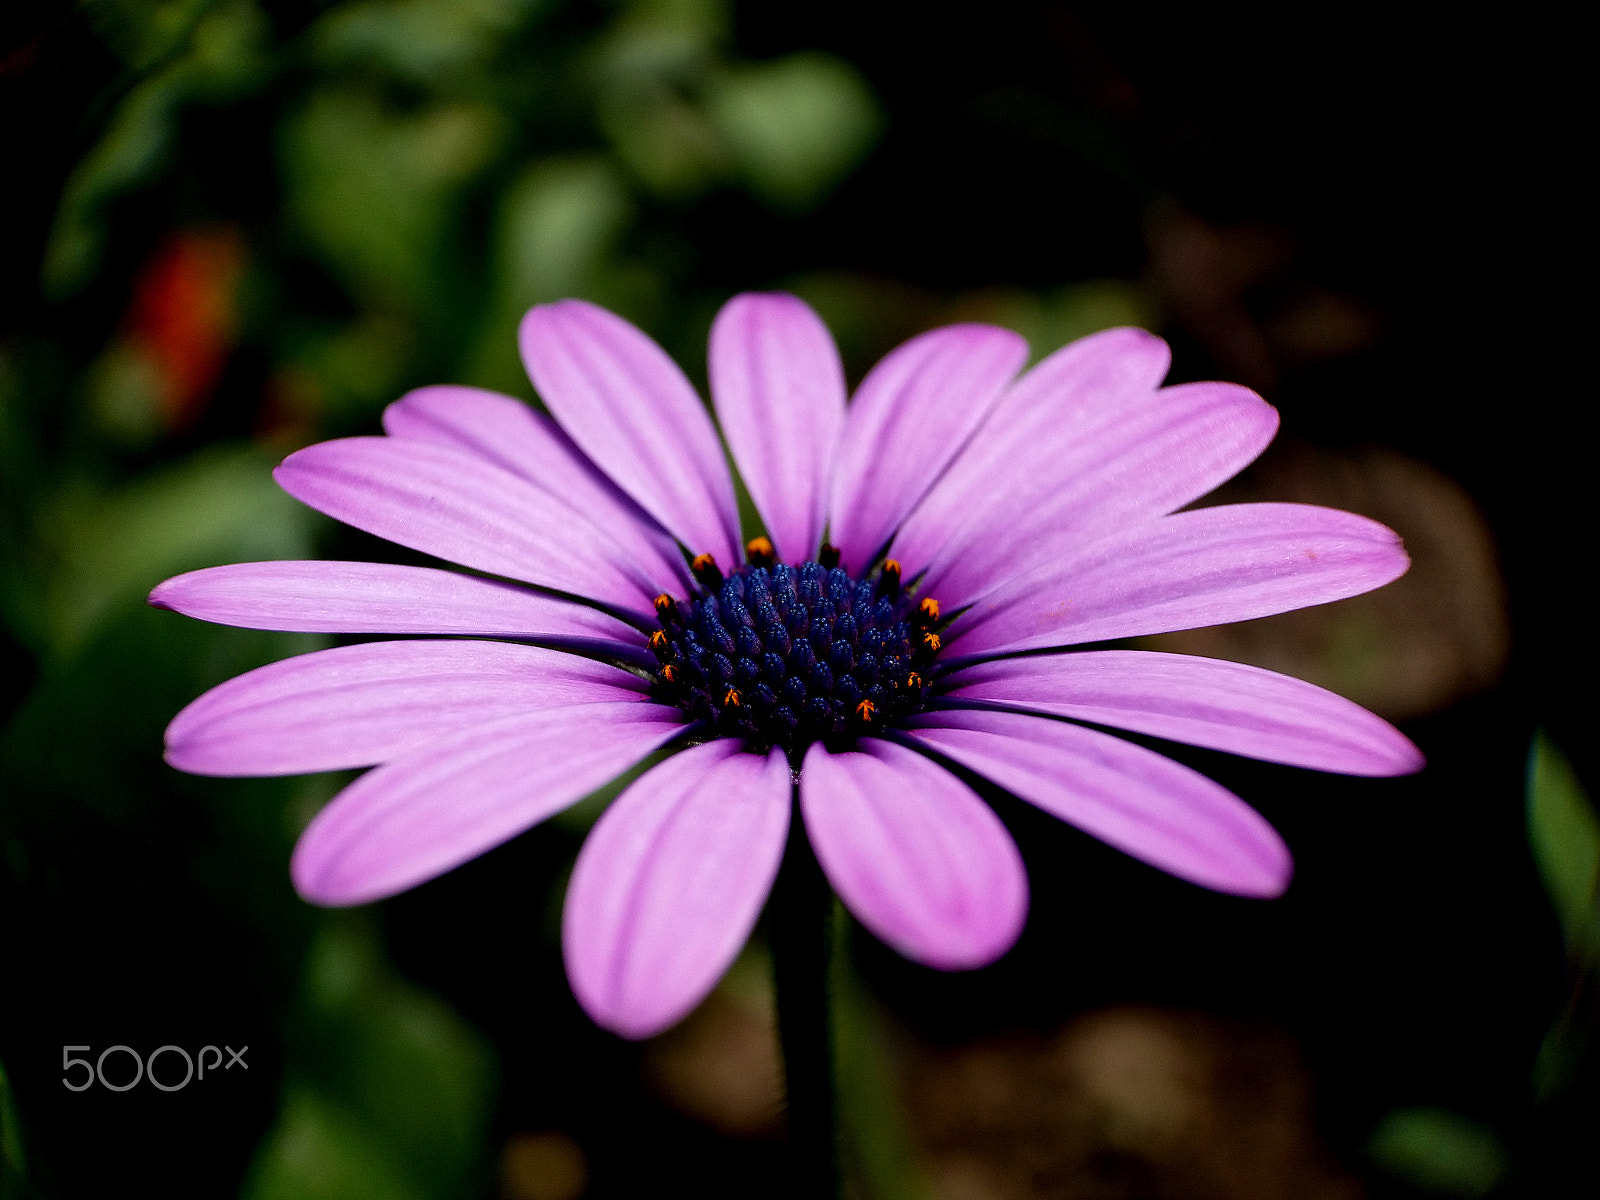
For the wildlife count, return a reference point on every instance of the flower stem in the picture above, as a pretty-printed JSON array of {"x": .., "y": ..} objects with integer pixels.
[{"x": 802, "y": 937}]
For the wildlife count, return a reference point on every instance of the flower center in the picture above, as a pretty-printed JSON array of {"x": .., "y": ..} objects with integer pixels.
[{"x": 787, "y": 655}]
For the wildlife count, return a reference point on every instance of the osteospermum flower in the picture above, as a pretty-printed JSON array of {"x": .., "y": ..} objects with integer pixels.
[{"x": 924, "y": 542}]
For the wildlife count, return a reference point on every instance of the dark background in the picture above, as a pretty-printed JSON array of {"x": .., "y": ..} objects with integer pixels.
[{"x": 1372, "y": 217}]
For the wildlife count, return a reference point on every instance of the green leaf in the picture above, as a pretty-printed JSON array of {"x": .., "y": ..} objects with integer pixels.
[
  {"x": 320, "y": 1151},
  {"x": 420, "y": 41},
  {"x": 358, "y": 368},
  {"x": 559, "y": 226},
  {"x": 796, "y": 126},
  {"x": 666, "y": 141},
  {"x": 88, "y": 808},
  {"x": 143, "y": 32},
  {"x": 1565, "y": 837},
  {"x": 1439, "y": 1151},
  {"x": 219, "y": 506},
  {"x": 558, "y": 223},
  {"x": 390, "y": 1085},
  {"x": 662, "y": 41},
  {"x": 218, "y": 58},
  {"x": 876, "y": 1137},
  {"x": 377, "y": 191},
  {"x": 13, "y": 1165},
  {"x": 137, "y": 143}
]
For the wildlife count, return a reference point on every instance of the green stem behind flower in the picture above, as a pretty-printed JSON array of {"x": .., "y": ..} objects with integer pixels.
[{"x": 802, "y": 938}]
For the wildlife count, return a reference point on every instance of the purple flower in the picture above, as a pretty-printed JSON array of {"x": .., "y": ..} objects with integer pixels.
[{"x": 923, "y": 536}]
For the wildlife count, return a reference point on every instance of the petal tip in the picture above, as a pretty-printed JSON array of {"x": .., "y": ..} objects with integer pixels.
[
  {"x": 285, "y": 473},
  {"x": 1272, "y": 419},
  {"x": 630, "y": 1013},
  {"x": 983, "y": 946},
  {"x": 1399, "y": 561},
  {"x": 1140, "y": 338},
  {"x": 1404, "y": 757},
  {"x": 753, "y": 302},
  {"x": 541, "y": 317},
  {"x": 1125, "y": 339},
  {"x": 631, "y": 1023},
  {"x": 318, "y": 880},
  {"x": 1270, "y": 882},
  {"x": 191, "y": 757},
  {"x": 1276, "y": 887},
  {"x": 1005, "y": 341}
]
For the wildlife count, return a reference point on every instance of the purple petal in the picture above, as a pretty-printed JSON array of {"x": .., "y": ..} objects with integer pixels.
[
  {"x": 1159, "y": 453},
  {"x": 506, "y": 432},
  {"x": 1202, "y": 701},
  {"x": 360, "y": 597},
  {"x": 670, "y": 883},
  {"x": 779, "y": 389},
  {"x": 358, "y": 705},
  {"x": 1134, "y": 799},
  {"x": 419, "y": 816},
  {"x": 454, "y": 506},
  {"x": 914, "y": 854},
  {"x": 1208, "y": 566},
  {"x": 909, "y": 417},
  {"x": 1068, "y": 396},
  {"x": 632, "y": 411}
]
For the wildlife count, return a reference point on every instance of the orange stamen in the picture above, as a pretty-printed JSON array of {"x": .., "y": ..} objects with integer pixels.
[
  {"x": 760, "y": 552},
  {"x": 705, "y": 570},
  {"x": 889, "y": 581}
]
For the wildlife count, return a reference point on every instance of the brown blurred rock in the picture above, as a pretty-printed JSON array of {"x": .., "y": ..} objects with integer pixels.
[
  {"x": 720, "y": 1066},
  {"x": 1206, "y": 272},
  {"x": 548, "y": 1165},
  {"x": 1125, "y": 1102},
  {"x": 1436, "y": 635},
  {"x": 1316, "y": 325}
]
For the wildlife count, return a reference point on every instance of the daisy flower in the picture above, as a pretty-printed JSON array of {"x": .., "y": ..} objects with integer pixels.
[{"x": 936, "y": 549}]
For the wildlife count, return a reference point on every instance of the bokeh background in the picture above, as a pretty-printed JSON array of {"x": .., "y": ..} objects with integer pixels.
[{"x": 233, "y": 227}]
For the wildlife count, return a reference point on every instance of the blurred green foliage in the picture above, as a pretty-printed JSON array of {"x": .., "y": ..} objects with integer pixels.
[
  {"x": 876, "y": 1143},
  {"x": 401, "y": 180},
  {"x": 283, "y": 218},
  {"x": 389, "y": 1093},
  {"x": 1440, "y": 1152},
  {"x": 109, "y": 547},
  {"x": 1565, "y": 835},
  {"x": 448, "y": 163},
  {"x": 184, "y": 54},
  {"x": 13, "y": 1161}
]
